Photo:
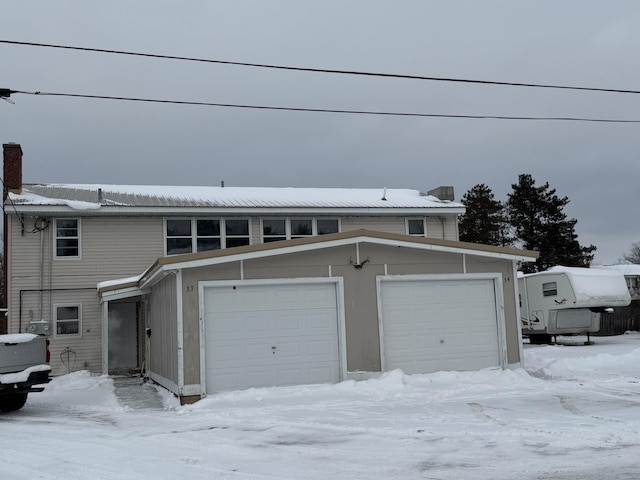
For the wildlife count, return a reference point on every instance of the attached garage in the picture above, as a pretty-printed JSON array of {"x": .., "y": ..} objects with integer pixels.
[
  {"x": 325, "y": 309},
  {"x": 434, "y": 323},
  {"x": 273, "y": 333}
]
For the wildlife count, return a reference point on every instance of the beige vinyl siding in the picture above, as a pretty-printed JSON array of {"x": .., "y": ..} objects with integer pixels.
[
  {"x": 378, "y": 224},
  {"x": 256, "y": 231},
  {"x": 84, "y": 351},
  {"x": 110, "y": 248},
  {"x": 390, "y": 224},
  {"x": 361, "y": 310},
  {"x": 446, "y": 230},
  {"x": 163, "y": 343}
]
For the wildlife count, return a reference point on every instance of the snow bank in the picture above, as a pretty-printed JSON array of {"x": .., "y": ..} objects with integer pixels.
[{"x": 78, "y": 391}]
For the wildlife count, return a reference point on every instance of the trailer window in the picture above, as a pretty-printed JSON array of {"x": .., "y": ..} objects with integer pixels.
[{"x": 549, "y": 289}]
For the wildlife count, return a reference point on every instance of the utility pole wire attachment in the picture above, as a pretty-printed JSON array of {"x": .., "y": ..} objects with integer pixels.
[{"x": 5, "y": 93}]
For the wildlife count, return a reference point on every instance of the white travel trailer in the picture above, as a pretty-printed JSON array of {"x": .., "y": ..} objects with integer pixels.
[{"x": 568, "y": 300}]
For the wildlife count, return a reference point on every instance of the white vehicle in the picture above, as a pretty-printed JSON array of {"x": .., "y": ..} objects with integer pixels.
[
  {"x": 23, "y": 368},
  {"x": 568, "y": 300}
]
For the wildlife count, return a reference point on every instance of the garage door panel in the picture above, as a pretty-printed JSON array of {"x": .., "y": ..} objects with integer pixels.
[
  {"x": 432, "y": 325},
  {"x": 270, "y": 335}
]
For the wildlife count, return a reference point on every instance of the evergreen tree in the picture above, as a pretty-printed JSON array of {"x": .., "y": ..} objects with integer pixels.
[
  {"x": 484, "y": 220},
  {"x": 539, "y": 223}
]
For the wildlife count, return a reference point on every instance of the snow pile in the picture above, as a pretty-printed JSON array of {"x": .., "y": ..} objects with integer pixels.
[
  {"x": 573, "y": 412},
  {"x": 78, "y": 391}
]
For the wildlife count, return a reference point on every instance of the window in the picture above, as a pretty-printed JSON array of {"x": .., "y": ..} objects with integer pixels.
[
  {"x": 549, "y": 289},
  {"x": 179, "y": 236},
  {"x": 416, "y": 226},
  {"x": 274, "y": 229},
  {"x": 67, "y": 320},
  {"x": 237, "y": 232},
  {"x": 67, "y": 232},
  {"x": 187, "y": 235},
  {"x": 325, "y": 226},
  {"x": 301, "y": 227},
  {"x": 208, "y": 235}
]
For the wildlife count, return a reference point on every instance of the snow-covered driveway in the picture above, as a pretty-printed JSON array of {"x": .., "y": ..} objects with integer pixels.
[{"x": 573, "y": 413}]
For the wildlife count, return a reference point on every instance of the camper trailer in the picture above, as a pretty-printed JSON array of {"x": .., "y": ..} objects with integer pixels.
[{"x": 568, "y": 301}]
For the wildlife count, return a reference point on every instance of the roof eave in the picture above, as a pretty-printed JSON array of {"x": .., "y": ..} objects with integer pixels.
[
  {"x": 244, "y": 211},
  {"x": 166, "y": 265}
]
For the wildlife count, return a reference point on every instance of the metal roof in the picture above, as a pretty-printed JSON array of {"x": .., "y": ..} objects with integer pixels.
[{"x": 90, "y": 197}]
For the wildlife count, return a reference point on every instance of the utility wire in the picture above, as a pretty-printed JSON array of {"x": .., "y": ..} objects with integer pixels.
[
  {"x": 322, "y": 70},
  {"x": 6, "y": 92}
]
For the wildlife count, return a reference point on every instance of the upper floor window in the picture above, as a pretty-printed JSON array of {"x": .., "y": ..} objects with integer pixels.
[
  {"x": 416, "y": 226},
  {"x": 67, "y": 241},
  {"x": 274, "y": 229},
  {"x": 187, "y": 235},
  {"x": 67, "y": 320},
  {"x": 325, "y": 226},
  {"x": 236, "y": 232}
]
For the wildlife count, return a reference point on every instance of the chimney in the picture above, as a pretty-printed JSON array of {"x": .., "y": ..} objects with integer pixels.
[
  {"x": 12, "y": 157},
  {"x": 443, "y": 193}
]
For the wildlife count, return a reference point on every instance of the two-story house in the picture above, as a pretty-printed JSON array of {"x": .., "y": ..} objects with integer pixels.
[{"x": 216, "y": 288}]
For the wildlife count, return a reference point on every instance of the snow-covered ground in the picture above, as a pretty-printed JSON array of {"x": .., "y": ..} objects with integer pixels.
[{"x": 573, "y": 413}]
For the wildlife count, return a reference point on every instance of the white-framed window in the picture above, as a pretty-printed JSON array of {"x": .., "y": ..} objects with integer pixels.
[
  {"x": 417, "y": 226},
  {"x": 188, "y": 235},
  {"x": 67, "y": 238},
  {"x": 179, "y": 236},
  {"x": 279, "y": 228},
  {"x": 67, "y": 319},
  {"x": 236, "y": 232},
  {"x": 549, "y": 289},
  {"x": 274, "y": 229},
  {"x": 326, "y": 226},
  {"x": 208, "y": 234}
]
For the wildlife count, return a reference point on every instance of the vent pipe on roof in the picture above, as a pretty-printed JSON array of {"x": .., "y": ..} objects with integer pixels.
[
  {"x": 221, "y": 183},
  {"x": 100, "y": 196},
  {"x": 384, "y": 194}
]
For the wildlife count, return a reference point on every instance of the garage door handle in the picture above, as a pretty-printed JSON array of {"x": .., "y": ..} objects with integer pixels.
[{"x": 273, "y": 350}]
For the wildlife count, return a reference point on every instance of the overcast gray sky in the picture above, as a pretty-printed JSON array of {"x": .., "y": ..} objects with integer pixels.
[{"x": 572, "y": 42}]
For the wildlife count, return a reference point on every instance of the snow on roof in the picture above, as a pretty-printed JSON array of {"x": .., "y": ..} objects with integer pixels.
[
  {"x": 118, "y": 282},
  {"x": 86, "y": 196},
  {"x": 628, "y": 270},
  {"x": 596, "y": 287}
]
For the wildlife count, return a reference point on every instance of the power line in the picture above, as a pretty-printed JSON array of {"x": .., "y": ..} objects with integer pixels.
[
  {"x": 322, "y": 70},
  {"x": 6, "y": 92}
]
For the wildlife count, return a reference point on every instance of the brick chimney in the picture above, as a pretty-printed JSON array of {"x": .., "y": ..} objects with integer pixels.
[{"x": 12, "y": 161}]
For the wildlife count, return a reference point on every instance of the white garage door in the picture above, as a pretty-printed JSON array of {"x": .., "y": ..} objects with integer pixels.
[
  {"x": 270, "y": 335},
  {"x": 435, "y": 325}
]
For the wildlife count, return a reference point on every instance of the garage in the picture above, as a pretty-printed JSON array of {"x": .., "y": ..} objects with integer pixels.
[
  {"x": 274, "y": 333},
  {"x": 436, "y": 324}
]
